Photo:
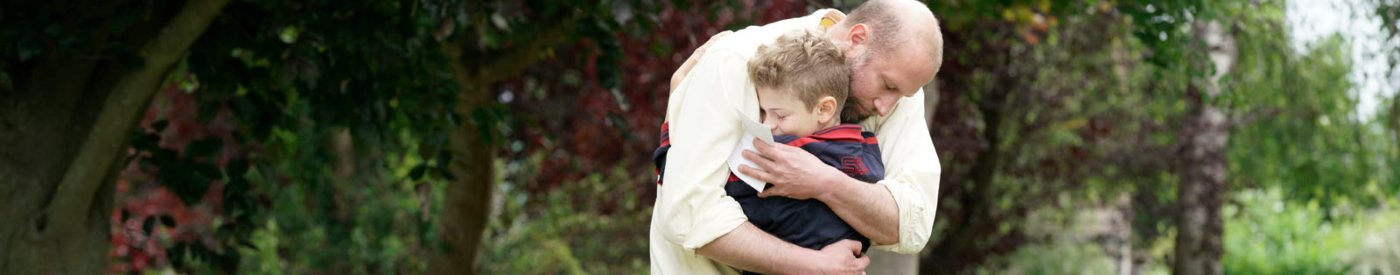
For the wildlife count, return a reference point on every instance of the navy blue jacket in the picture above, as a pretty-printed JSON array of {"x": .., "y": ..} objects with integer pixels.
[{"x": 806, "y": 223}]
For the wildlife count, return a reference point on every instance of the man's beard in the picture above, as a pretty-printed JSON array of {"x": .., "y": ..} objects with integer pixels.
[{"x": 855, "y": 111}]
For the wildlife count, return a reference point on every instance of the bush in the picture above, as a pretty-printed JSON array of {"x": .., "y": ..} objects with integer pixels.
[
  {"x": 594, "y": 225},
  {"x": 1265, "y": 234}
]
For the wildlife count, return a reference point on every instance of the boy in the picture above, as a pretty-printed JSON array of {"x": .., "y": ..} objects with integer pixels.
[{"x": 802, "y": 81}]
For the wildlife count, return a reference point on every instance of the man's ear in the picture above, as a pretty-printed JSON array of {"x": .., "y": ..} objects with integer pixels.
[
  {"x": 826, "y": 109},
  {"x": 859, "y": 35}
]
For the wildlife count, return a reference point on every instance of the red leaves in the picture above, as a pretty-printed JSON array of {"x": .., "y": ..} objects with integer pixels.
[
  {"x": 587, "y": 128},
  {"x": 143, "y": 202}
]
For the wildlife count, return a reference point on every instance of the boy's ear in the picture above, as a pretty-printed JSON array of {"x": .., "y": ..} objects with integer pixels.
[{"x": 826, "y": 109}]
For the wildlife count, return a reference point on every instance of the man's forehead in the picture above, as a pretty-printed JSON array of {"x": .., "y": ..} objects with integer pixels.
[{"x": 908, "y": 77}]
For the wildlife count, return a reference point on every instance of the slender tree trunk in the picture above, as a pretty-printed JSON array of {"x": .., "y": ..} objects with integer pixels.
[
  {"x": 950, "y": 254},
  {"x": 1203, "y": 185},
  {"x": 65, "y": 130},
  {"x": 1395, "y": 120},
  {"x": 471, "y": 170},
  {"x": 467, "y": 204},
  {"x": 1201, "y": 193},
  {"x": 468, "y": 193}
]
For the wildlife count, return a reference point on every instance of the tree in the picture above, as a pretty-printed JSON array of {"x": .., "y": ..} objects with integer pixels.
[
  {"x": 84, "y": 78},
  {"x": 1024, "y": 131},
  {"x": 320, "y": 94},
  {"x": 1206, "y": 132}
]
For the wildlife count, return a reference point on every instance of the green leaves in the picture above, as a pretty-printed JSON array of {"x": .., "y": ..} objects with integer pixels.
[{"x": 288, "y": 34}]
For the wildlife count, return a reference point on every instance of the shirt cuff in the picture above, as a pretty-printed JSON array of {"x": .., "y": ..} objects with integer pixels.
[
  {"x": 710, "y": 224},
  {"x": 915, "y": 221}
]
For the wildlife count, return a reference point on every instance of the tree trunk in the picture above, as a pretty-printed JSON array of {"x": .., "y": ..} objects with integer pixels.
[
  {"x": 1203, "y": 185},
  {"x": 470, "y": 178},
  {"x": 1395, "y": 121},
  {"x": 467, "y": 204},
  {"x": 66, "y": 128},
  {"x": 1201, "y": 192},
  {"x": 466, "y": 208},
  {"x": 963, "y": 246}
]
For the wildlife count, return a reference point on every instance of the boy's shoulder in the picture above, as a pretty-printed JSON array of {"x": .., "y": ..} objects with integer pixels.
[
  {"x": 843, "y": 133},
  {"x": 846, "y": 147}
]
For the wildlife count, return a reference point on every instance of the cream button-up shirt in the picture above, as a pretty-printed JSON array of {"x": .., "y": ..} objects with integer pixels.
[{"x": 692, "y": 208}]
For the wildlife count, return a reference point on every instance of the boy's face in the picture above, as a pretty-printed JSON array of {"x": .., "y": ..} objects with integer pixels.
[{"x": 787, "y": 115}]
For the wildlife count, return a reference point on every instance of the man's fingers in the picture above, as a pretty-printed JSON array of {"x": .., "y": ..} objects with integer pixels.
[
  {"x": 717, "y": 36},
  {"x": 762, "y": 161},
  {"x": 854, "y": 246},
  {"x": 862, "y": 262},
  {"x": 755, "y": 173},
  {"x": 776, "y": 190},
  {"x": 694, "y": 58},
  {"x": 701, "y": 50},
  {"x": 763, "y": 147}
]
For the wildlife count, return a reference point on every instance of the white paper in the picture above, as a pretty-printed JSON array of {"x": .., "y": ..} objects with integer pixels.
[{"x": 752, "y": 129}]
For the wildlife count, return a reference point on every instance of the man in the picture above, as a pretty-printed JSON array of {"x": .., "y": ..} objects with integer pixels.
[{"x": 895, "y": 48}]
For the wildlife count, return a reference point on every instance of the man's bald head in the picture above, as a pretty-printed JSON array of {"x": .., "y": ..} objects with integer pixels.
[
  {"x": 900, "y": 27},
  {"x": 880, "y": 38}
]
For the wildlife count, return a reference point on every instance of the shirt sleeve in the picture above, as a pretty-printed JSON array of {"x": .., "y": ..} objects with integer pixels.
[
  {"x": 912, "y": 171},
  {"x": 704, "y": 128}
]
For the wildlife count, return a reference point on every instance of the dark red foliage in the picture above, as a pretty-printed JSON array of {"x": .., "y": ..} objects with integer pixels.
[
  {"x": 141, "y": 200},
  {"x": 588, "y": 128}
]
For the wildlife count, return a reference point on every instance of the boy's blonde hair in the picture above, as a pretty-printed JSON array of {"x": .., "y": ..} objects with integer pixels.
[{"x": 805, "y": 63}]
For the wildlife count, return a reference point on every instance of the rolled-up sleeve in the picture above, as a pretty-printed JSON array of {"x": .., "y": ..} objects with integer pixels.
[
  {"x": 704, "y": 127},
  {"x": 912, "y": 171}
]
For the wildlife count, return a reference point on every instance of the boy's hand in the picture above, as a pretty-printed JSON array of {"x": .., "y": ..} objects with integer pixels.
[
  {"x": 794, "y": 173},
  {"x": 694, "y": 58}
]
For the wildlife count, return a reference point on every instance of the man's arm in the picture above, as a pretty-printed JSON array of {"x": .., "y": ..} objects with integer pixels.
[
  {"x": 912, "y": 172},
  {"x": 695, "y": 56},
  {"x": 797, "y": 174},
  {"x": 898, "y": 212},
  {"x": 749, "y": 248},
  {"x": 691, "y": 200}
]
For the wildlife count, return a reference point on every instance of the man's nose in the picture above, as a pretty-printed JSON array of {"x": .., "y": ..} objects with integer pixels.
[{"x": 883, "y": 105}]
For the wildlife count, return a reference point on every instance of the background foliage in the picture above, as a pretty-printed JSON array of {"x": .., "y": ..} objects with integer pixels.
[{"x": 318, "y": 136}]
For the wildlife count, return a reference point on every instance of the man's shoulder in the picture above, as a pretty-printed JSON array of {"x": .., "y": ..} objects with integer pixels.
[{"x": 746, "y": 41}]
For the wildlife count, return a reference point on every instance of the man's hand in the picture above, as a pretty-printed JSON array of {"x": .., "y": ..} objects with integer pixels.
[
  {"x": 842, "y": 257},
  {"x": 794, "y": 173},
  {"x": 694, "y": 58},
  {"x": 749, "y": 248},
  {"x": 797, "y": 174}
]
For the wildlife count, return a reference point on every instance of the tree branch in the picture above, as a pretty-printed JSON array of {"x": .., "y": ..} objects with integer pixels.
[
  {"x": 122, "y": 109},
  {"x": 497, "y": 66}
]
